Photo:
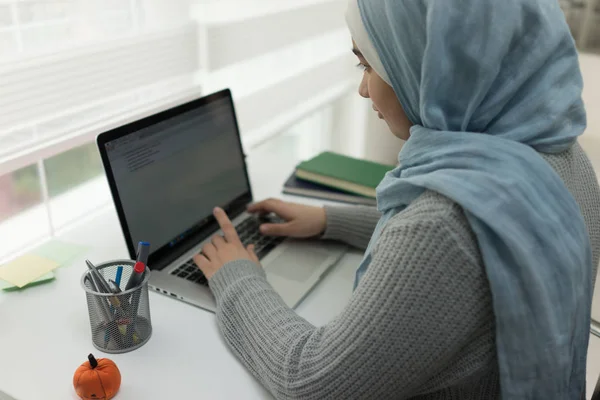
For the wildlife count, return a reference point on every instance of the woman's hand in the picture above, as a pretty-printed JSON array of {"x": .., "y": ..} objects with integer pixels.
[
  {"x": 300, "y": 221},
  {"x": 223, "y": 249}
]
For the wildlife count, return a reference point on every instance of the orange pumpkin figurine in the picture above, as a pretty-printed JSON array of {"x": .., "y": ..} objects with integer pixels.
[{"x": 97, "y": 379}]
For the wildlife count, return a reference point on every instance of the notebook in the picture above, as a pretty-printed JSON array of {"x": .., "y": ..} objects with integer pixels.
[
  {"x": 343, "y": 173},
  {"x": 299, "y": 187}
]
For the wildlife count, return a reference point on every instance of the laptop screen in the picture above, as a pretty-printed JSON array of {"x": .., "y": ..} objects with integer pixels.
[{"x": 169, "y": 175}]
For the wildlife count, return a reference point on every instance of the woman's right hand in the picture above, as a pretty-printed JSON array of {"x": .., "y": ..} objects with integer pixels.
[{"x": 300, "y": 221}]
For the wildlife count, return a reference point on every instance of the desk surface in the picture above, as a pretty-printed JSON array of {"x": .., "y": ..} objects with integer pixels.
[{"x": 45, "y": 333}]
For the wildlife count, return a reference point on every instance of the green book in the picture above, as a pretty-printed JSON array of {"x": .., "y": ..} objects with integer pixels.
[{"x": 344, "y": 173}]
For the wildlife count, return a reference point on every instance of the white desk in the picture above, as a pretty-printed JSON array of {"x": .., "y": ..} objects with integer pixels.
[{"x": 45, "y": 333}]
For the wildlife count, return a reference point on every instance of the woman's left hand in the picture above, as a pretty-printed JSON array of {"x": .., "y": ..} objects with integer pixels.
[{"x": 223, "y": 249}]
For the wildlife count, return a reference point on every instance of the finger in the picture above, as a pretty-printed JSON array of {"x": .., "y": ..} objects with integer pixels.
[
  {"x": 209, "y": 251},
  {"x": 201, "y": 262},
  {"x": 217, "y": 241},
  {"x": 276, "y": 229},
  {"x": 269, "y": 206},
  {"x": 226, "y": 226},
  {"x": 252, "y": 253},
  {"x": 261, "y": 207}
]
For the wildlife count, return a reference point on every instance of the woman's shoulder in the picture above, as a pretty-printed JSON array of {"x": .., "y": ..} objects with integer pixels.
[
  {"x": 577, "y": 173},
  {"x": 435, "y": 209},
  {"x": 574, "y": 167},
  {"x": 434, "y": 206}
]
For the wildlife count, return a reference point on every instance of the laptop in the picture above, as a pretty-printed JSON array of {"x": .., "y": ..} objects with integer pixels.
[{"x": 168, "y": 171}]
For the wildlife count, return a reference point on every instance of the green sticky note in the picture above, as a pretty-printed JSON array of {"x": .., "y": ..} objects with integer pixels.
[
  {"x": 4, "y": 396},
  {"x": 55, "y": 252},
  {"x": 60, "y": 252},
  {"x": 9, "y": 287}
]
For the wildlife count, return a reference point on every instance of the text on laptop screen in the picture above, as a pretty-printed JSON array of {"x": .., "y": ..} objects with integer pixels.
[{"x": 171, "y": 175}]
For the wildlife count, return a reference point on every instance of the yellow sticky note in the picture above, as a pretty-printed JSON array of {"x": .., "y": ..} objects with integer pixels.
[{"x": 26, "y": 269}]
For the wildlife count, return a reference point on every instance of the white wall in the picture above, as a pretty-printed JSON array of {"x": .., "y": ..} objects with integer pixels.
[
  {"x": 590, "y": 67},
  {"x": 380, "y": 145},
  {"x": 590, "y": 141},
  {"x": 349, "y": 125},
  {"x": 358, "y": 132}
]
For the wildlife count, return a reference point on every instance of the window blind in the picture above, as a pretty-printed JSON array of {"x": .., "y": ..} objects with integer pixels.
[
  {"x": 282, "y": 60},
  {"x": 583, "y": 17},
  {"x": 70, "y": 69}
]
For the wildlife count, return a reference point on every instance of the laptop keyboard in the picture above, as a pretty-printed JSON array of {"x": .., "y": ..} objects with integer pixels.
[
  {"x": 248, "y": 231},
  {"x": 249, "y": 234},
  {"x": 190, "y": 271}
]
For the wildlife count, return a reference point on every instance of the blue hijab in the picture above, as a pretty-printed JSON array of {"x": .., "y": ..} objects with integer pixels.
[{"x": 489, "y": 84}]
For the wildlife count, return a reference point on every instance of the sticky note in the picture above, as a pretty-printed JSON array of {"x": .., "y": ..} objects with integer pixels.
[
  {"x": 60, "y": 252},
  {"x": 26, "y": 269},
  {"x": 9, "y": 287},
  {"x": 4, "y": 396}
]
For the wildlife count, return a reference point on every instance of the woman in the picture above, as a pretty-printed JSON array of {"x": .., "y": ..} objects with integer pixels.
[{"x": 479, "y": 266}]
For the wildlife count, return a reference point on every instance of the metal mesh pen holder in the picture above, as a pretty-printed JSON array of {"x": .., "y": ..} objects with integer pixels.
[{"x": 120, "y": 322}]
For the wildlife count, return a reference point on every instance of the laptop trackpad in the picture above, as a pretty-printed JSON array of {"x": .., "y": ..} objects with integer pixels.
[{"x": 297, "y": 263}]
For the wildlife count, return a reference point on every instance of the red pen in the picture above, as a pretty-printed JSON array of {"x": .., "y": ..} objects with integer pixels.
[{"x": 137, "y": 276}]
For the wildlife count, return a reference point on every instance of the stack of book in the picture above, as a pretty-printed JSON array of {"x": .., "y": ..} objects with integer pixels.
[{"x": 332, "y": 176}]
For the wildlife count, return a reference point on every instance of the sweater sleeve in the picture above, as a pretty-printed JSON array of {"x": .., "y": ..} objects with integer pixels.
[
  {"x": 420, "y": 303},
  {"x": 351, "y": 225}
]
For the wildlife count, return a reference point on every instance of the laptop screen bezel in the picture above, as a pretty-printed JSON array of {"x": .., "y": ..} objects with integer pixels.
[{"x": 199, "y": 230}]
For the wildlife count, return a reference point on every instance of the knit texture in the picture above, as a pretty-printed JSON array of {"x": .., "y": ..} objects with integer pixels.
[
  {"x": 420, "y": 325},
  {"x": 353, "y": 225}
]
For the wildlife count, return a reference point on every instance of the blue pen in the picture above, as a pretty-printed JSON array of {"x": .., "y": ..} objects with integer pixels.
[{"x": 119, "y": 275}]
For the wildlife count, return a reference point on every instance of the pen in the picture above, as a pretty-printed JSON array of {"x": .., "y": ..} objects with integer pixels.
[
  {"x": 143, "y": 251},
  {"x": 119, "y": 275},
  {"x": 99, "y": 301},
  {"x": 112, "y": 312},
  {"x": 100, "y": 281},
  {"x": 136, "y": 279},
  {"x": 95, "y": 283},
  {"x": 130, "y": 332},
  {"x": 137, "y": 275},
  {"x": 101, "y": 304},
  {"x": 114, "y": 287},
  {"x": 116, "y": 303}
]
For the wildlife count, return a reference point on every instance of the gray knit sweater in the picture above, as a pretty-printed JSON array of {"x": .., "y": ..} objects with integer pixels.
[{"x": 420, "y": 325}]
